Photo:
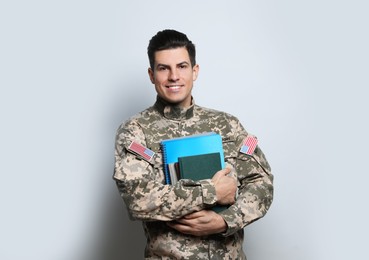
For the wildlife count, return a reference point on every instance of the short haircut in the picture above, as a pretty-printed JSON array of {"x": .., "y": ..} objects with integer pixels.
[{"x": 170, "y": 39}]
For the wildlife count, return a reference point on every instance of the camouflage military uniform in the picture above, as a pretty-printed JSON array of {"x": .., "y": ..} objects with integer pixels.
[{"x": 141, "y": 183}]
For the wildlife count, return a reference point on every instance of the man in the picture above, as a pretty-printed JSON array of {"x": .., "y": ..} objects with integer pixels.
[{"x": 177, "y": 219}]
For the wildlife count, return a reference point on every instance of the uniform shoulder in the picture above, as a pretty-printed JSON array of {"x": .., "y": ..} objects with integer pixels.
[
  {"x": 215, "y": 113},
  {"x": 135, "y": 119}
]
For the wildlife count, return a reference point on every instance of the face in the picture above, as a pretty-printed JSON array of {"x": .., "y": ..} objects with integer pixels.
[{"x": 173, "y": 76}]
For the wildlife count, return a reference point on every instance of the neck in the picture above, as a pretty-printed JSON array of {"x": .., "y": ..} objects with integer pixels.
[{"x": 174, "y": 111}]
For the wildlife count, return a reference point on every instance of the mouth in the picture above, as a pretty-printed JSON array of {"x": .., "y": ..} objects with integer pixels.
[{"x": 174, "y": 87}]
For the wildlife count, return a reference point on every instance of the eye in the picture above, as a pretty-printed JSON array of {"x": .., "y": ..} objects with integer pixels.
[
  {"x": 183, "y": 66},
  {"x": 162, "y": 68}
]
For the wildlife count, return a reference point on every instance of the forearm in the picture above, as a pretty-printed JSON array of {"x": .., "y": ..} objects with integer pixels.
[
  {"x": 201, "y": 223},
  {"x": 150, "y": 200},
  {"x": 252, "y": 203}
]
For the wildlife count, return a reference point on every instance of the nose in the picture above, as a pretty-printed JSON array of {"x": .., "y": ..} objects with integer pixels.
[{"x": 173, "y": 75}]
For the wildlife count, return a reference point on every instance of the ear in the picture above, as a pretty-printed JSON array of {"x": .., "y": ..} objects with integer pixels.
[
  {"x": 195, "y": 71},
  {"x": 151, "y": 75}
]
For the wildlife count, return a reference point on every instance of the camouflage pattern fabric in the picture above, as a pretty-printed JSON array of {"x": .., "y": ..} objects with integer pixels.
[{"x": 141, "y": 182}]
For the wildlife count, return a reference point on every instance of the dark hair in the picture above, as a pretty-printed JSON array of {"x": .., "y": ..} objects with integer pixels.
[{"x": 170, "y": 39}]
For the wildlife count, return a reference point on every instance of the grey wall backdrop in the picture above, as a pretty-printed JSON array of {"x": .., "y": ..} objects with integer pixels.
[{"x": 294, "y": 72}]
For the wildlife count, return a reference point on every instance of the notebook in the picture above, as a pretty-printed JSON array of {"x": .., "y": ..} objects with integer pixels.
[{"x": 199, "y": 167}]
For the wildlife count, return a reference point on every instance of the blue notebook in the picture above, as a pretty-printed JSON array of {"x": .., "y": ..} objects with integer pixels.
[{"x": 188, "y": 146}]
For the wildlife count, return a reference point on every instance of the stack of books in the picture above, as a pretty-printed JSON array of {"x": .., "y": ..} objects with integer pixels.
[
  {"x": 202, "y": 150},
  {"x": 194, "y": 157},
  {"x": 195, "y": 167}
]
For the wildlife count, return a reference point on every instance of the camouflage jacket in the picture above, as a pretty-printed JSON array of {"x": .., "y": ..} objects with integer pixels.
[{"x": 141, "y": 182}]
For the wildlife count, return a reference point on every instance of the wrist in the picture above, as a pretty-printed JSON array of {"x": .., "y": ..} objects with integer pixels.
[{"x": 221, "y": 224}]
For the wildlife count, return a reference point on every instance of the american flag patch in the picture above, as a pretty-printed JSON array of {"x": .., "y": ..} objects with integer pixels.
[
  {"x": 249, "y": 145},
  {"x": 141, "y": 150}
]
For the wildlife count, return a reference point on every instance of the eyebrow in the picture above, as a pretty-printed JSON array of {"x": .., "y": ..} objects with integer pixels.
[{"x": 167, "y": 66}]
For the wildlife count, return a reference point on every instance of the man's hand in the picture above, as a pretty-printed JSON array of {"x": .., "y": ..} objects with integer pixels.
[
  {"x": 225, "y": 187},
  {"x": 201, "y": 223}
]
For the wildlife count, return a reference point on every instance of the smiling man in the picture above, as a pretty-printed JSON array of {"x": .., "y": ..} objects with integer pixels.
[
  {"x": 178, "y": 220},
  {"x": 173, "y": 76}
]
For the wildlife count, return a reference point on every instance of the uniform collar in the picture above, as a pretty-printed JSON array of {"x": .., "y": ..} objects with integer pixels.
[{"x": 174, "y": 112}]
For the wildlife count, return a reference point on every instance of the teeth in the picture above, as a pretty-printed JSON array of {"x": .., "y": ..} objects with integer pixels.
[{"x": 174, "y": 87}]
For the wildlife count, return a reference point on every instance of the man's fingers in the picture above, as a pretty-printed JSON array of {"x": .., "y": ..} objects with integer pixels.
[
  {"x": 220, "y": 174},
  {"x": 226, "y": 170},
  {"x": 193, "y": 215}
]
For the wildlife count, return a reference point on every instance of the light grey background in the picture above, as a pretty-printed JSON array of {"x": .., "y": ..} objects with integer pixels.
[{"x": 294, "y": 72}]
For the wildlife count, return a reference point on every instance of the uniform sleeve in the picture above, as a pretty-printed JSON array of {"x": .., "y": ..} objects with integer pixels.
[
  {"x": 141, "y": 185},
  {"x": 255, "y": 191}
]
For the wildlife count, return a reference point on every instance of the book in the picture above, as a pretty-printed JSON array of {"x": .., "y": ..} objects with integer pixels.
[
  {"x": 199, "y": 167},
  {"x": 174, "y": 148}
]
